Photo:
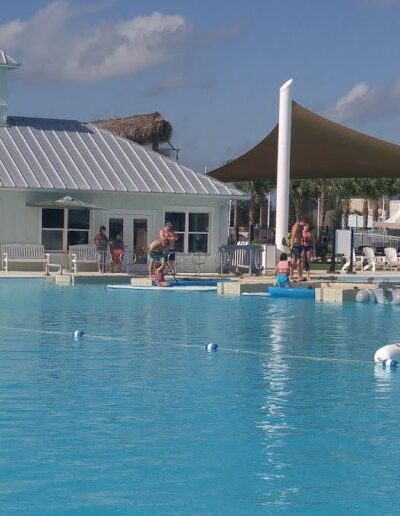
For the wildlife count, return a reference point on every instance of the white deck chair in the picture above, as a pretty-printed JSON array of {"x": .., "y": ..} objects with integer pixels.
[
  {"x": 357, "y": 262},
  {"x": 373, "y": 262},
  {"x": 392, "y": 260}
]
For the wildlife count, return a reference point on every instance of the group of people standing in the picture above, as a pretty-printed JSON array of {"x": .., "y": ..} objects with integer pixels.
[
  {"x": 302, "y": 254},
  {"x": 161, "y": 253},
  {"x": 116, "y": 248}
]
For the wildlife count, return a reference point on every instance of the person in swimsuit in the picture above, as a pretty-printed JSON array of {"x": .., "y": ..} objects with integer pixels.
[
  {"x": 308, "y": 249},
  {"x": 117, "y": 248},
  {"x": 102, "y": 243},
  {"x": 297, "y": 249},
  {"x": 157, "y": 252},
  {"x": 159, "y": 275},
  {"x": 168, "y": 233},
  {"x": 282, "y": 271}
]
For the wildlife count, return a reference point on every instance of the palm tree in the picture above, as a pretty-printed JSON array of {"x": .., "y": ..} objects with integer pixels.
[
  {"x": 372, "y": 190},
  {"x": 346, "y": 189}
]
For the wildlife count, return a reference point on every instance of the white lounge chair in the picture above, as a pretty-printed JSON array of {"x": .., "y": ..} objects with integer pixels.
[
  {"x": 373, "y": 262},
  {"x": 392, "y": 260}
]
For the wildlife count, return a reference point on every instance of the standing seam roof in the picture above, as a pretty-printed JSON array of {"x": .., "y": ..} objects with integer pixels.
[{"x": 41, "y": 153}]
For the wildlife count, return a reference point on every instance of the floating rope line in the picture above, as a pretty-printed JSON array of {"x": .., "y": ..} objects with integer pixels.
[
  {"x": 51, "y": 332},
  {"x": 237, "y": 351}
]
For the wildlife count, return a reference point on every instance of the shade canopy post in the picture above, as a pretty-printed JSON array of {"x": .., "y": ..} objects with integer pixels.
[{"x": 283, "y": 165}]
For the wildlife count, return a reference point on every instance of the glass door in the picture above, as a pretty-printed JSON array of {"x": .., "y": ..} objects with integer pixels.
[
  {"x": 140, "y": 242},
  {"x": 135, "y": 233}
]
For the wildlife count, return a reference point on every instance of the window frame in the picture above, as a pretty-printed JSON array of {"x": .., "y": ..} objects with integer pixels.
[
  {"x": 65, "y": 229},
  {"x": 187, "y": 211}
]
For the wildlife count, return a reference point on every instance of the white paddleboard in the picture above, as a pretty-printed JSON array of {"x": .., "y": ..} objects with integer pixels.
[{"x": 185, "y": 288}]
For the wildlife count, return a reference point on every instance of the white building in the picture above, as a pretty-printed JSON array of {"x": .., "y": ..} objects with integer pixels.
[{"x": 123, "y": 185}]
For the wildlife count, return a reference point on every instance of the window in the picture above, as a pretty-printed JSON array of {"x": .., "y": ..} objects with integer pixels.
[
  {"x": 192, "y": 230},
  {"x": 64, "y": 227}
]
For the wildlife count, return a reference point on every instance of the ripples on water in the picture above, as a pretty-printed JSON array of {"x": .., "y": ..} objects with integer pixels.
[{"x": 138, "y": 418}]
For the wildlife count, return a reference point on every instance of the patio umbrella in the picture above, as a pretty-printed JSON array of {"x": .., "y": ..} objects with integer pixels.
[{"x": 65, "y": 202}]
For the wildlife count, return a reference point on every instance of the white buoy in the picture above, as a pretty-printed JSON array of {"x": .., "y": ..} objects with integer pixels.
[
  {"x": 78, "y": 334},
  {"x": 390, "y": 363},
  {"x": 211, "y": 347},
  {"x": 386, "y": 353}
]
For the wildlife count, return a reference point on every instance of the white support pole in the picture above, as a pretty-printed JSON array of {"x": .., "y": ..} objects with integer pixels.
[{"x": 283, "y": 166}]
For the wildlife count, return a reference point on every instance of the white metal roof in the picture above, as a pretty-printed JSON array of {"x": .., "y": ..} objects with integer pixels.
[{"x": 47, "y": 154}]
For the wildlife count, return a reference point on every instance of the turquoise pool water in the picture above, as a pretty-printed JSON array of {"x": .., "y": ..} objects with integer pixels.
[{"x": 136, "y": 418}]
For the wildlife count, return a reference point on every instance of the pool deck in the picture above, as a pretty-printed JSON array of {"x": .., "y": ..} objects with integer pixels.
[{"x": 329, "y": 287}]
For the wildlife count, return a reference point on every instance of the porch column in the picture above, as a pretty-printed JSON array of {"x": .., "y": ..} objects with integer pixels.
[{"x": 283, "y": 165}]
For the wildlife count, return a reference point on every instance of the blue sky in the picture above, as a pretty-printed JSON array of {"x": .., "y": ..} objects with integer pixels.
[{"x": 212, "y": 68}]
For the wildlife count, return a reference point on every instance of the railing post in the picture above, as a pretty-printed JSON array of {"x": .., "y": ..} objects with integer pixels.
[
  {"x": 351, "y": 264},
  {"x": 333, "y": 256}
]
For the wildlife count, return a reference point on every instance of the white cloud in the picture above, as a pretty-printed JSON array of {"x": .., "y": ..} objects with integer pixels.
[
  {"x": 364, "y": 102},
  {"x": 57, "y": 44}
]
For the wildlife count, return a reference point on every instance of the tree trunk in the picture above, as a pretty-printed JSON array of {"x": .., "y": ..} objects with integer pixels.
[
  {"x": 365, "y": 213},
  {"x": 323, "y": 200},
  {"x": 252, "y": 206},
  {"x": 263, "y": 212},
  {"x": 346, "y": 212},
  {"x": 375, "y": 209}
]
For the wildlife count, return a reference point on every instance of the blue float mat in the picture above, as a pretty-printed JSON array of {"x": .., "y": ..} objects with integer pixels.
[{"x": 305, "y": 293}]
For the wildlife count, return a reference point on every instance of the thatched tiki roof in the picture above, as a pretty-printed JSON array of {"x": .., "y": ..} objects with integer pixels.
[{"x": 151, "y": 128}]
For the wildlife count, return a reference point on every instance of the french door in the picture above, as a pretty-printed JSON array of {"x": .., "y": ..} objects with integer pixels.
[{"x": 136, "y": 230}]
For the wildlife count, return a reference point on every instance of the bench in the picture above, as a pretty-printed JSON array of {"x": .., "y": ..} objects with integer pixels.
[
  {"x": 83, "y": 254},
  {"x": 24, "y": 253}
]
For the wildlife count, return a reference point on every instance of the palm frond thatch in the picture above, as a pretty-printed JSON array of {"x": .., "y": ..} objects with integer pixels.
[{"x": 144, "y": 129}]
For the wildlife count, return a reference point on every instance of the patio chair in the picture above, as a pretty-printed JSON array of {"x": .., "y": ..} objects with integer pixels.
[
  {"x": 373, "y": 262},
  {"x": 392, "y": 260}
]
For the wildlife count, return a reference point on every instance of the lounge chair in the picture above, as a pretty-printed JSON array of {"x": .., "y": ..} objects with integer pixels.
[
  {"x": 392, "y": 260},
  {"x": 357, "y": 262},
  {"x": 373, "y": 262}
]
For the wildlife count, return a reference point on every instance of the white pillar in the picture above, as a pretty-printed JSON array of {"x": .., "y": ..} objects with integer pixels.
[
  {"x": 3, "y": 95},
  {"x": 283, "y": 165}
]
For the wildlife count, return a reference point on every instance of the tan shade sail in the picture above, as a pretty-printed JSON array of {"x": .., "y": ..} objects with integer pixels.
[{"x": 320, "y": 149}]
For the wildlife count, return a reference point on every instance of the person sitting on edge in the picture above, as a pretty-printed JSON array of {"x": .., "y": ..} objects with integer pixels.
[
  {"x": 159, "y": 275},
  {"x": 168, "y": 233},
  {"x": 117, "y": 248},
  {"x": 297, "y": 249},
  {"x": 157, "y": 250},
  {"x": 282, "y": 271}
]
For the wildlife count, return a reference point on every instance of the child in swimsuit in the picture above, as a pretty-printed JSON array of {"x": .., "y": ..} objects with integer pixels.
[
  {"x": 117, "y": 252},
  {"x": 282, "y": 271},
  {"x": 159, "y": 275}
]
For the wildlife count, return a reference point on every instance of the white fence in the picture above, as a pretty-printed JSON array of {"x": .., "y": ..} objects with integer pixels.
[
  {"x": 375, "y": 240},
  {"x": 239, "y": 257}
]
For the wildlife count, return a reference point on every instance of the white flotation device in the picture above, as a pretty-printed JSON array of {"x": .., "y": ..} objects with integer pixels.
[{"x": 388, "y": 355}]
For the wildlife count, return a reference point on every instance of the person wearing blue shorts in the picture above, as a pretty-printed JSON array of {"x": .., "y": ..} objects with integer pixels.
[
  {"x": 297, "y": 249},
  {"x": 282, "y": 271}
]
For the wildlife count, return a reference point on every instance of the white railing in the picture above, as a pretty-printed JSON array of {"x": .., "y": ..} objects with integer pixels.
[
  {"x": 238, "y": 257},
  {"x": 375, "y": 240}
]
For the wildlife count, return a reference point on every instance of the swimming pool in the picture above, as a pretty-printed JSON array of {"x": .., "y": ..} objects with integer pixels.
[{"x": 137, "y": 418}]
